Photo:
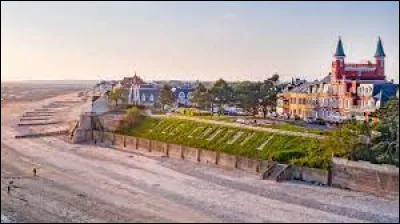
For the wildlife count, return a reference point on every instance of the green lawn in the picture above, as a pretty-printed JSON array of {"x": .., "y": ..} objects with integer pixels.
[
  {"x": 296, "y": 128},
  {"x": 285, "y": 126},
  {"x": 218, "y": 118},
  {"x": 281, "y": 148}
]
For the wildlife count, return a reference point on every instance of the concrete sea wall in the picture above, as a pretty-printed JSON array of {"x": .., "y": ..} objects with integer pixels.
[{"x": 381, "y": 180}]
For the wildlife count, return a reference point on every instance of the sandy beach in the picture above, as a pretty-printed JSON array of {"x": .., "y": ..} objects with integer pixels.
[{"x": 87, "y": 183}]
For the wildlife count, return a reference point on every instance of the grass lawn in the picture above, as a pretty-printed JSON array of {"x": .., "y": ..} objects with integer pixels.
[
  {"x": 296, "y": 128},
  {"x": 232, "y": 140},
  {"x": 285, "y": 126}
]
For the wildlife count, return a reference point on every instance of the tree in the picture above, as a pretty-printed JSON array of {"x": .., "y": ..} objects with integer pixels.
[
  {"x": 132, "y": 117},
  {"x": 167, "y": 97},
  {"x": 221, "y": 93},
  {"x": 270, "y": 91},
  {"x": 386, "y": 145},
  {"x": 268, "y": 101},
  {"x": 346, "y": 140},
  {"x": 116, "y": 95},
  {"x": 201, "y": 96},
  {"x": 248, "y": 95}
]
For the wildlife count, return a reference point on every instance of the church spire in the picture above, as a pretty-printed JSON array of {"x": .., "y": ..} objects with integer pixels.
[
  {"x": 339, "y": 49},
  {"x": 379, "y": 49}
]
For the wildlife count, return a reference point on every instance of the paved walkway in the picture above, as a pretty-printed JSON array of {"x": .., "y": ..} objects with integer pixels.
[{"x": 272, "y": 130}]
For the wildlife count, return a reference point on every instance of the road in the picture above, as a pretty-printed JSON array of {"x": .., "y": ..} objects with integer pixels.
[{"x": 87, "y": 183}]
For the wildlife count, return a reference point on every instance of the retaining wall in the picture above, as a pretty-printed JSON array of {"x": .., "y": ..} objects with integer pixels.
[
  {"x": 191, "y": 154},
  {"x": 158, "y": 147},
  {"x": 119, "y": 140},
  {"x": 143, "y": 144},
  {"x": 130, "y": 142},
  {"x": 97, "y": 136},
  {"x": 363, "y": 176},
  {"x": 248, "y": 164},
  {"x": 209, "y": 157},
  {"x": 175, "y": 151},
  {"x": 226, "y": 160}
]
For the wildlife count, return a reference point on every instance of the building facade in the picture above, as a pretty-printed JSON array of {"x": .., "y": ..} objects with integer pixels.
[
  {"x": 141, "y": 93},
  {"x": 349, "y": 91},
  {"x": 183, "y": 95}
]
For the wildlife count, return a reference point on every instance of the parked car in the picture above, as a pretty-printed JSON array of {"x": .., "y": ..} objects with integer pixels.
[
  {"x": 319, "y": 121},
  {"x": 310, "y": 120}
]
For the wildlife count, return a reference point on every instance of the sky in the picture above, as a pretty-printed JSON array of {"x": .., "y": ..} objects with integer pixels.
[{"x": 191, "y": 40}]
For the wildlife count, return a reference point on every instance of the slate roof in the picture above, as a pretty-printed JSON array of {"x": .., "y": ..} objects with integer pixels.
[
  {"x": 339, "y": 49},
  {"x": 379, "y": 49},
  {"x": 388, "y": 90}
]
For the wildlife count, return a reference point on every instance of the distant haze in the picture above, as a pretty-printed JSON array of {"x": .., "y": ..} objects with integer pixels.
[{"x": 191, "y": 40}]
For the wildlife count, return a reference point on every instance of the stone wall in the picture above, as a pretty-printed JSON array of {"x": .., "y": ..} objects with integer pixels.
[
  {"x": 108, "y": 138},
  {"x": 119, "y": 140},
  {"x": 97, "y": 136},
  {"x": 209, "y": 157},
  {"x": 110, "y": 120},
  {"x": 264, "y": 165},
  {"x": 130, "y": 143},
  {"x": 226, "y": 160},
  {"x": 158, "y": 147},
  {"x": 143, "y": 144},
  {"x": 81, "y": 135},
  {"x": 363, "y": 176},
  {"x": 248, "y": 164},
  {"x": 191, "y": 154},
  {"x": 174, "y": 151}
]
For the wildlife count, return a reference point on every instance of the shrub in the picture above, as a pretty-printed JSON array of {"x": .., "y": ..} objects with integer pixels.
[
  {"x": 130, "y": 120},
  {"x": 140, "y": 107},
  {"x": 286, "y": 156}
]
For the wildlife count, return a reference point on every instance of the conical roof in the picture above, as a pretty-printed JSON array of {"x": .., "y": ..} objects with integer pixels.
[
  {"x": 339, "y": 49},
  {"x": 379, "y": 49}
]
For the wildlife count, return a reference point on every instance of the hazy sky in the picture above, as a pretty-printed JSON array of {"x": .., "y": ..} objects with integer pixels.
[{"x": 191, "y": 40}]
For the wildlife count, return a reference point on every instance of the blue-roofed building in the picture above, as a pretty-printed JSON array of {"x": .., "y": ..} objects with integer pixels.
[
  {"x": 372, "y": 96},
  {"x": 183, "y": 94}
]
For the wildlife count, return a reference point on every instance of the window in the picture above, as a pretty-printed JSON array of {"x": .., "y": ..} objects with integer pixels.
[
  {"x": 151, "y": 98},
  {"x": 181, "y": 95},
  {"x": 143, "y": 97}
]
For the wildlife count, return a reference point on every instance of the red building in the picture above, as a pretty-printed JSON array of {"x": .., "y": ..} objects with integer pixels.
[{"x": 368, "y": 71}]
